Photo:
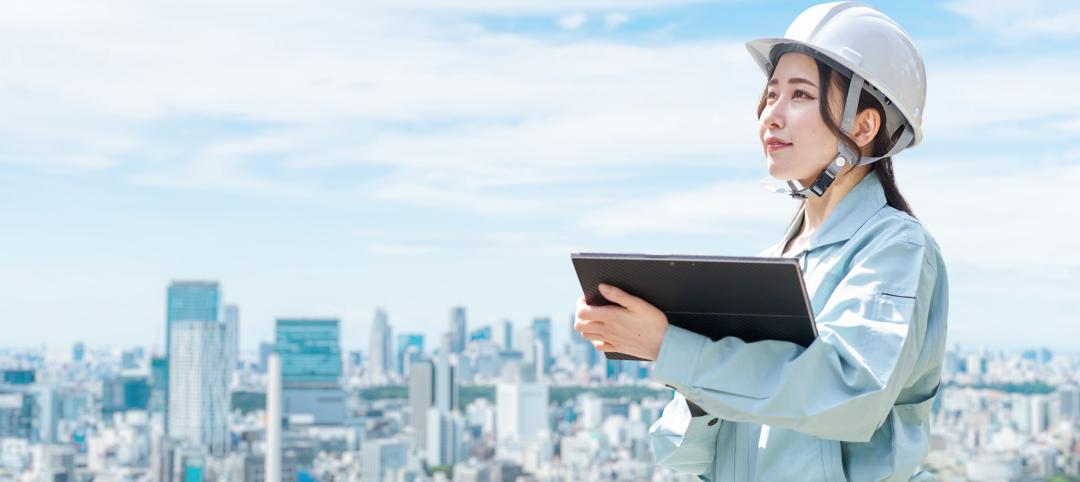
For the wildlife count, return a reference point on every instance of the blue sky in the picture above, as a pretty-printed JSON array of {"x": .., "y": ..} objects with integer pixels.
[{"x": 327, "y": 158}]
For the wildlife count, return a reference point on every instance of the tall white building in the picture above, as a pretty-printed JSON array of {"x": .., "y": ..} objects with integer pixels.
[
  {"x": 444, "y": 437},
  {"x": 521, "y": 411},
  {"x": 231, "y": 319},
  {"x": 446, "y": 383},
  {"x": 198, "y": 384},
  {"x": 421, "y": 397},
  {"x": 381, "y": 353},
  {"x": 382, "y": 456},
  {"x": 1040, "y": 414}
]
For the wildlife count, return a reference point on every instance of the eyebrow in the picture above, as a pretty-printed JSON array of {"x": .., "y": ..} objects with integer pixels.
[{"x": 793, "y": 80}]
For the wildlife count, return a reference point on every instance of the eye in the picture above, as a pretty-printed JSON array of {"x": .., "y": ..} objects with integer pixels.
[
  {"x": 803, "y": 94},
  {"x": 770, "y": 94}
]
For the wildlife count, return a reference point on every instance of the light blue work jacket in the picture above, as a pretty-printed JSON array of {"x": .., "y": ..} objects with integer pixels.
[{"x": 855, "y": 404}]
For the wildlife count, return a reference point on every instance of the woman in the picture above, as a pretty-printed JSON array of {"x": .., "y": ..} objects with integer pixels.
[{"x": 845, "y": 92}]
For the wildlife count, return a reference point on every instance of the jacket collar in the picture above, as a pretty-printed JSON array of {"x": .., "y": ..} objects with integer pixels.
[{"x": 853, "y": 211}]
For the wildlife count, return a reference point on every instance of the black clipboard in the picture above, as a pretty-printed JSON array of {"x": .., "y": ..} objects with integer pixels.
[{"x": 752, "y": 298}]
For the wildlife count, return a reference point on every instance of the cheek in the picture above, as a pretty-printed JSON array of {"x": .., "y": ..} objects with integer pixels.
[{"x": 812, "y": 136}]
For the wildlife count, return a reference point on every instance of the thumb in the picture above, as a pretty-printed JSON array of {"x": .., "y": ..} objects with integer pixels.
[{"x": 617, "y": 295}]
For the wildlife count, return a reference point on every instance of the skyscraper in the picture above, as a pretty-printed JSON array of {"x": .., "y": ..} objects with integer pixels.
[
  {"x": 457, "y": 329},
  {"x": 520, "y": 410},
  {"x": 446, "y": 383},
  {"x": 159, "y": 384},
  {"x": 188, "y": 300},
  {"x": 542, "y": 329},
  {"x": 198, "y": 394},
  {"x": 191, "y": 300},
  {"x": 421, "y": 397},
  {"x": 405, "y": 341},
  {"x": 508, "y": 335},
  {"x": 310, "y": 351},
  {"x": 272, "y": 459},
  {"x": 381, "y": 358},
  {"x": 481, "y": 334},
  {"x": 380, "y": 456},
  {"x": 77, "y": 352},
  {"x": 444, "y": 437},
  {"x": 231, "y": 319}
]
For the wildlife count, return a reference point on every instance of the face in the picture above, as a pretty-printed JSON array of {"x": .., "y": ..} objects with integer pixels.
[{"x": 797, "y": 143}]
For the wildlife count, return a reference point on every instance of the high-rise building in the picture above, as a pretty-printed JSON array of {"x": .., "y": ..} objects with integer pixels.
[
  {"x": 507, "y": 335},
  {"x": 380, "y": 456},
  {"x": 198, "y": 395},
  {"x": 444, "y": 437},
  {"x": 188, "y": 300},
  {"x": 421, "y": 397},
  {"x": 124, "y": 393},
  {"x": 231, "y": 319},
  {"x": 381, "y": 358},
  {"x": 78, "y": 350},
  {"x": 446, "y": 382},
  {"x": 457, "y": 329},
  {"x": 272, "y": 456},
  {"x": 1069, "y": 402},
  {"x": 521, "y": 410},
  {"x": 310, "y": 351},
  {"x": 191, "y": 300},
  {"x": 405, "y": 341},
  {"x": 481, "y": 334},
  {"x": 265, "y": 349},
  {"x": 1040, "y": 414},
  {"x": 542, "y": 329},
  {"x": 159, "y": 384}
]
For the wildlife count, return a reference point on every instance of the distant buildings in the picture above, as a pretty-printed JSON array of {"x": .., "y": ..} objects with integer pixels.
[
  {"x": 380, "y": 354},
  {"x": 310, "y": 351},
  {"x": 457, "y": 329}
]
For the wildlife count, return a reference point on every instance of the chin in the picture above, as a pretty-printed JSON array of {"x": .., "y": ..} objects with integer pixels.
[{"x": 778, "y": 171}]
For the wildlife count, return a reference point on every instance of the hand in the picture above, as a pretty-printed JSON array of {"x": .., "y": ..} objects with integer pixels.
[{"x": 631, "y": 326}]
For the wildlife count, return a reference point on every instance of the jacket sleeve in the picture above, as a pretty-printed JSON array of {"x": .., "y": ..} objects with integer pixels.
[
  {"x": 684, "y": 443},
  {"x": 845, "y": 383}
]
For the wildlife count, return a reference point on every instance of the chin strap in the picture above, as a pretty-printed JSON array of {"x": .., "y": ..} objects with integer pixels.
[{"x": 845, "y": 156}]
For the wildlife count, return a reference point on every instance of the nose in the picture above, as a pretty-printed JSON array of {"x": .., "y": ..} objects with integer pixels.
[{"x": 772, "y": 117}]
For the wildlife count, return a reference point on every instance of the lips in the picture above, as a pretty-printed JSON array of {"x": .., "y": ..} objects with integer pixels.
[{"x": 775, "y": 144}]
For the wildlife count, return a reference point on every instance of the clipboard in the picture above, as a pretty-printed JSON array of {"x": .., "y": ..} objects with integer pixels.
[{"x": 752, "y": 298}]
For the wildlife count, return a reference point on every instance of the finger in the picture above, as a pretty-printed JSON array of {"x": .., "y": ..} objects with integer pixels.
[
  {"x": 604, "y": 346},
  {"x": 590, "y": 325},
  {"x": 599, "y": 313},
  {"x": 593, "y": 336},
  {"x": 617, "y": 295}
]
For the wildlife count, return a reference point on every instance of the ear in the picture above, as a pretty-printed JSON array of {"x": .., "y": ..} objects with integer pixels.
[{"x": 867, "y": 124}]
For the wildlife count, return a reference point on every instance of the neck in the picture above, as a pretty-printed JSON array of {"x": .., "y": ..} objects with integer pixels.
[{"x": 817, "y": 209}]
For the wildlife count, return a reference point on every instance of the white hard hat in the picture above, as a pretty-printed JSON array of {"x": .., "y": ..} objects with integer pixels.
[{"x": 869, "y": 47}]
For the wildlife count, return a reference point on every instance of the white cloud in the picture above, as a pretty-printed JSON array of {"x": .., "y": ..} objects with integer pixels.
[
  {"x": 1013, "y": 95},
  {"x": 573, "y": 21},
  {"x": 224, "y": 174},
  {"x": 532, "y": 6},
  {"x": 725, "y": 207},
  {"x": 1009, "y": 19},
  {"x": 400, "y": 249},
  {"x": 614, "y": 20},
  {"x": 499, "y": 103},
  {"x": 1015, "y": 219}
]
